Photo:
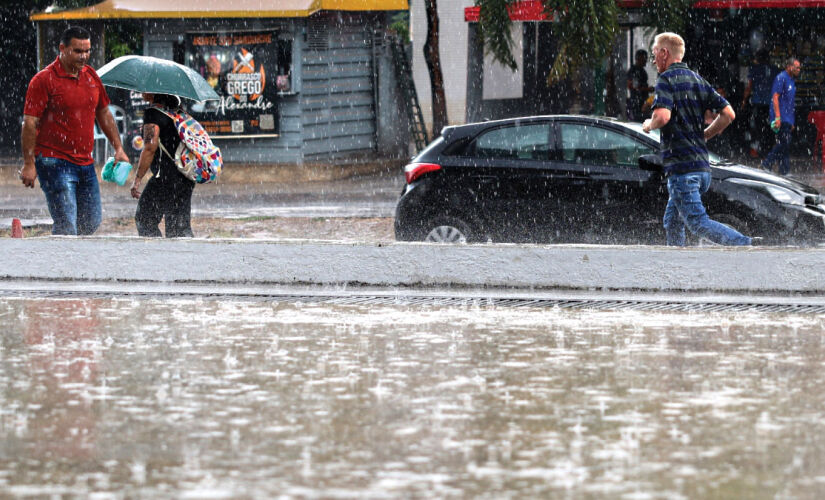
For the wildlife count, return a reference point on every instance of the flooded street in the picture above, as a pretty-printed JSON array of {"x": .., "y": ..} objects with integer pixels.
[
  {"x": 369, "y": 195},
  {"x": 202, "y": 398}
]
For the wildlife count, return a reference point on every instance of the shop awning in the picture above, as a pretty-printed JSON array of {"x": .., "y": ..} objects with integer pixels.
[
  {"x": 533, "y": 10},
  {"x": 199, "y": 9}
]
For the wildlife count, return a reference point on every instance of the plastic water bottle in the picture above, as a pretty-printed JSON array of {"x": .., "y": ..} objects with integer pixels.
[{"x": 775, "y": 125}]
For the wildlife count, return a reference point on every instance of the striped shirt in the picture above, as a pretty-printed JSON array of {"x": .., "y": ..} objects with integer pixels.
[{"x": 687, "y": 95}]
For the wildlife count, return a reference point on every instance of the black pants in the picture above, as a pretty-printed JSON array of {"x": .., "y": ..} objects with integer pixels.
[
  {"x": 761, "y": 128},
  {"x": 169, "y": 197}
]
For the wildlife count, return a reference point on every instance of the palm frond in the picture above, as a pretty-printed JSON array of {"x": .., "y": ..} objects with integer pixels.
[{"x": 494, "y": 31}]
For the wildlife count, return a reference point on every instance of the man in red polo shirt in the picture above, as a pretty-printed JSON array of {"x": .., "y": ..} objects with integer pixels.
[{"x": 62, "y": 102}]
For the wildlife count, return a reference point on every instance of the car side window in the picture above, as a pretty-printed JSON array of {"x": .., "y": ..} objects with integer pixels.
[
  {"x": 519, "y": 142},
  {"x": 592, "y": 145}
]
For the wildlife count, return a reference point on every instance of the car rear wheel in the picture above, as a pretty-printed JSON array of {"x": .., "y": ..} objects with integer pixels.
[{"x": 448, "y": 230}]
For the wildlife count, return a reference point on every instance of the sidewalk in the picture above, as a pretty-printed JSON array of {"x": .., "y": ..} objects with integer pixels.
[{"x": 744, "y": 271}]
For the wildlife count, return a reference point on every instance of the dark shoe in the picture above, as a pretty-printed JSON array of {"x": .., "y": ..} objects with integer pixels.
[{"x": 758, "y": 241}]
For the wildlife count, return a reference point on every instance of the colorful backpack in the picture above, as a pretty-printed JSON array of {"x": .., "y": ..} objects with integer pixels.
[{"x": 196, "y": 157}]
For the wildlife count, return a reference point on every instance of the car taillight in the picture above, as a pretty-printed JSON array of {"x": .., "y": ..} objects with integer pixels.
[{"x": 415, "y": 170}]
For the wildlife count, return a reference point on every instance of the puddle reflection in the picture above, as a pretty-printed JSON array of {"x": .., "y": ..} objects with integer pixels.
[{"x": 208, "y": 399}]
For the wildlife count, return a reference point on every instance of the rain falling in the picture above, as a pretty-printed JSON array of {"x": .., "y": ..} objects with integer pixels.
[{"x": 403, "y": 249}]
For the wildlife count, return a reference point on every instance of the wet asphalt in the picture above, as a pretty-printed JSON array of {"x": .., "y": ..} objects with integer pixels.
[
  {"x": 207, "y": 398},
  {"x": 366, "y": 195}
]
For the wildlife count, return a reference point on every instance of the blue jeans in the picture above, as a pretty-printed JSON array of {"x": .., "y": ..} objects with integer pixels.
[
  {"x": 782, "y": 151},
  {"x": 72, "y": 193},
  {"x": 684, "y": 207}
]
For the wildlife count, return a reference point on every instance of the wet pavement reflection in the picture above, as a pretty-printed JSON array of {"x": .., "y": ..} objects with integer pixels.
[{"x": 205, "y": 398}]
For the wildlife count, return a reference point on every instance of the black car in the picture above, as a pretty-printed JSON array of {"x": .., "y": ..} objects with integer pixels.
[{"x": 577, "y": 179}]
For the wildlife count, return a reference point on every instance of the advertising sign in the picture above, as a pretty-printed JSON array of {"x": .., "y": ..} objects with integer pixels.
[{"x": 247, "y": 71}]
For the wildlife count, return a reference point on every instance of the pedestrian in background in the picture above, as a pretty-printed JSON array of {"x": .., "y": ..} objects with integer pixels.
[
  {"x": 760, "y": 79},
  {"x": 637, "y": 87},
  {"x": 62, "y": 103},
  {"x": 681, "y": 98},
  {"x": 783, "y": 93},
  {"x": 168, "y": 193}
]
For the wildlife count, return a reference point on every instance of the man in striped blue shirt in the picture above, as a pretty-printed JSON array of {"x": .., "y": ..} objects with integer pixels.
[{"x": 682, "y": 97}]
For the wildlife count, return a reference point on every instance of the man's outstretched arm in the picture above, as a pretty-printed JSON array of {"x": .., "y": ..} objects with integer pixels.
[{"x": 721, "y": 122}]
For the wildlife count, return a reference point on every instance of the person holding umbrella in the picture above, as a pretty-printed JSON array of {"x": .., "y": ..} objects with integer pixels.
[{"x": 168, "y": 193}]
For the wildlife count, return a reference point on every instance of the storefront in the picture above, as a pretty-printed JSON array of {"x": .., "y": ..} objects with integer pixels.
[
  {"x": 496, "y": 92},
  {"x": 722, "y": 38},
  {"x": 727, "y": 34},
  {"x": 299, "y": 80}
]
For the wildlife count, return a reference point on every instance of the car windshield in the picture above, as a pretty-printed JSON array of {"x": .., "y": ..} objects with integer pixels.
[{"x": 637, "y": 127}]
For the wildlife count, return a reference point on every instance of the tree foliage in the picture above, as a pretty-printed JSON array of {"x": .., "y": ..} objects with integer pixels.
[
  {"x": 667, "y": 15},
  {"x": 19, "y": 63},
  {"x": 20, "y": 58},
  {"x": 494, "y": 30},
  {"x": 585, "y": 29}
]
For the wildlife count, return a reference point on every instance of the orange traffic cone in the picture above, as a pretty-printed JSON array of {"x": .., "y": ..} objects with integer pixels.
[{"x": 16, "y": 228}]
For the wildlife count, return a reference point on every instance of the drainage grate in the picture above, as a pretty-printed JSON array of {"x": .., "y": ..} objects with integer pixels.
[{"x": 411, "y": 299}]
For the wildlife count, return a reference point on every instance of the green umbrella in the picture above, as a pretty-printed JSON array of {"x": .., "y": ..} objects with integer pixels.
[{"x": 156, "y": 76}]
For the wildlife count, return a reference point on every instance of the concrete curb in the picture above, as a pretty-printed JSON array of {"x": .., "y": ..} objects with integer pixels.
[{"x": 583, "y": 267}]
